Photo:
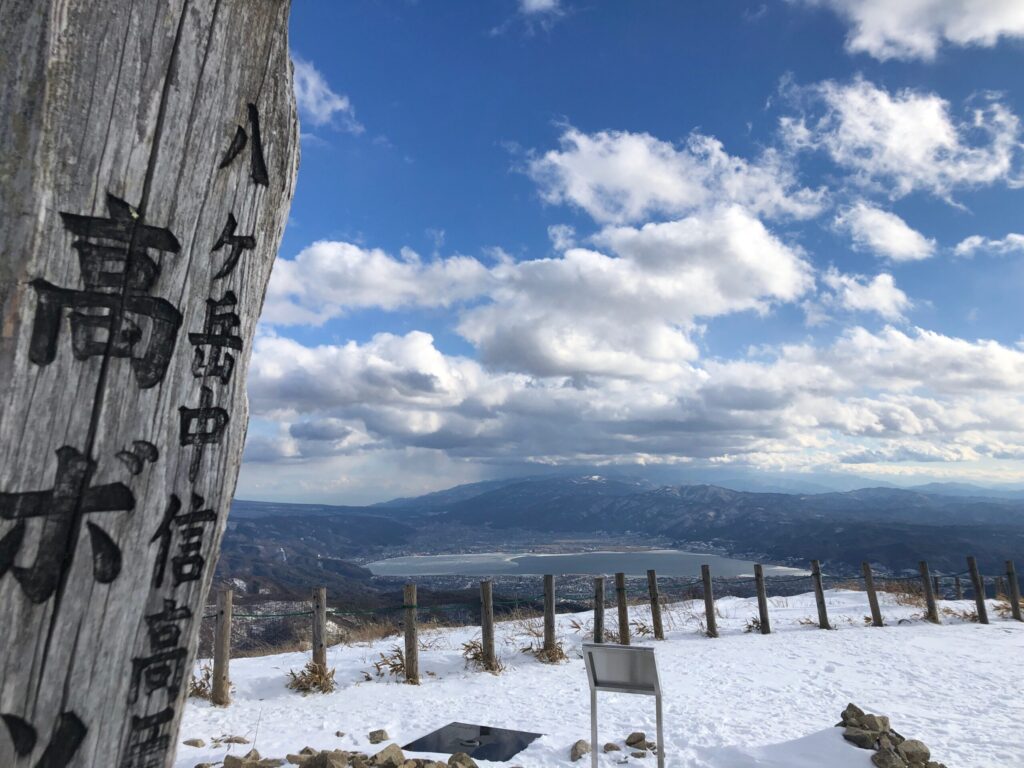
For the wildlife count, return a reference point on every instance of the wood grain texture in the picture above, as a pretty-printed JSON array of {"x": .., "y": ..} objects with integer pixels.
[
  {"x": 412, "y": 642},
  {"x": 137, "y": 101},
  {"x": 762, "y": 600},
  {"x": 652, "y": 589},
  {"x": 220, "y": 693},
  {"x": 930, "y": 591},
  {"x": 869, "y": 585},
  {"x": 320, "y": 627},
  {"x": 622, "y": 603},
  {"x": 709, "y": 601},
  {"x": 549, "y": 613},
  {"x": 490, "y": 658},
  {"x": 599, "y": 609},
  {"x": 819, "y": 595}
]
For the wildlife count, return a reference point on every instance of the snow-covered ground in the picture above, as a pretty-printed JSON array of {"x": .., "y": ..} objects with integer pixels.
[{"x": 740, "y": 701}]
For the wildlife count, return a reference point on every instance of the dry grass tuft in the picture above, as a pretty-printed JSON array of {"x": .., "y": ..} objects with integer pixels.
[
  {"x": 313, "y": 678},
  {"x": 201, "y": 686},
  {"x": 554, "y": 655},
  {"x": 392, "y": 662},
  {"x": 753, "y": 624},
  {"x": 473, "y": 653},
  {"x": 963, "y": 614},
  {"x": 1003, "y": 607},
  {"x": 908, "y": 593},
  {"x": 641, "y": 628}
]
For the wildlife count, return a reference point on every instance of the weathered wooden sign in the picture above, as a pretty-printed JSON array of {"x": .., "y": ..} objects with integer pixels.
[{"x": 148, "y": 152}]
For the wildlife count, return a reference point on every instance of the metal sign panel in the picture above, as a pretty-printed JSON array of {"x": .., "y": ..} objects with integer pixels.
[{"x": 622, "y": 669}]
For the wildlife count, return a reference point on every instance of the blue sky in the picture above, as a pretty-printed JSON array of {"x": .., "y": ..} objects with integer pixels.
[{"x": 774, "y": 237}]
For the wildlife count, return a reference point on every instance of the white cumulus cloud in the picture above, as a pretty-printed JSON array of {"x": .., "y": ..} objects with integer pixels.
[
  {"x": 631, "y": 312},
  {"x": 908, "y": 140},
  {"x": 621, "y": 177},
  {"x": 884, "y": 233},
  {"x": 915, "y": 29},
  {"x": 329, "y": 277},
  {"x": 318, "y": 103},
  {"x": 539, "y": 6},
  {"x": 858, "y": 293},
  {"x": 977, "y": 243}
]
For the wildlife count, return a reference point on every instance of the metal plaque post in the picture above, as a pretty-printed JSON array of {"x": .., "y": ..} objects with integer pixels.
[{"x": 622, "y": 669}]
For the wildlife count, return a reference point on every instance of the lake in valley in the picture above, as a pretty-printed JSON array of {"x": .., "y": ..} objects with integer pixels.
[{"x": 667, "y": 562}]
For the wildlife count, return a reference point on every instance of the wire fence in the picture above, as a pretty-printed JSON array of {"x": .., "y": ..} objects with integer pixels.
[{"x": 273, "y": 626}]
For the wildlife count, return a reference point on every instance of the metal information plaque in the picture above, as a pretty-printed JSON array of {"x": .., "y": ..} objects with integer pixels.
[{"x": 622, "y": 669}]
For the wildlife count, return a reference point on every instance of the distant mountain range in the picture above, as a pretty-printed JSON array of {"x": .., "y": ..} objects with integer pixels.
[{"x": 891, "y": 527}]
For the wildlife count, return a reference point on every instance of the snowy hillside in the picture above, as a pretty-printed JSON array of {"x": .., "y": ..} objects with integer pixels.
[{"x": 740, "y": 701}]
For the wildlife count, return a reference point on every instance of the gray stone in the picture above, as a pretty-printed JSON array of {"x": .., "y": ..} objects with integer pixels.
[
  {"x": 914, "y": 751},
  {"x": 461, "y": 760},
  {"x": 327, "y": 759},
  {"x": 638, "y": 754},
  {"x": 636, "y": 739},
  {"x": 887, "y": 759},
  {"x": 852, "y": 715},
  {"x": 376, "y": 737},
  {"x": 612, "y": 747},
  {"x": 194, "y": 743},
  {"x": 877, "y": 723},
  {"x": 389, "y": 757},
  {"x": 860, "y": 737},
  {"x": 579, "y": 749}
]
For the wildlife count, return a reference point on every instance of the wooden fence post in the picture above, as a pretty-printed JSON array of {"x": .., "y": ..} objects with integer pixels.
[
  {"x": 929, "y": 596},
  {"x": 762, "y": 600},
  {"x": 148, "y": 155},
  {"x": 958, "y": 588},
  {"x": 487, "y": 626},
  {"x": 623, "y": 607},
  {"x": 320, "y": 627},
  {"x": 709, "y": 601},
  {"x": 979, "y": 590},
  {"x": 1014, "y": 591},
  {"x": 819, "y": 595},
  {"x": 652, "y": 588},
  {"x": 599, "y": 609},
  {"x": 549, "y": 613},
  {"x": 869, "y": 585},
  {"x": 412, "y": 642},
  {"x": 221, "y": 692}
]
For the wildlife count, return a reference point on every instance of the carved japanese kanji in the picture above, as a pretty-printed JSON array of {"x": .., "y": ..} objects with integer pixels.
[
  {"x": 200, "y": 427},
  {"x": 64, "y": 743},
  {"x": 108, "y": 317},
  {"x": 219, "y": 333},
  {"x": 56, "y": 508},
  {"x": 188, "y": 564},
  {"x": 257, "y": 163}
]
